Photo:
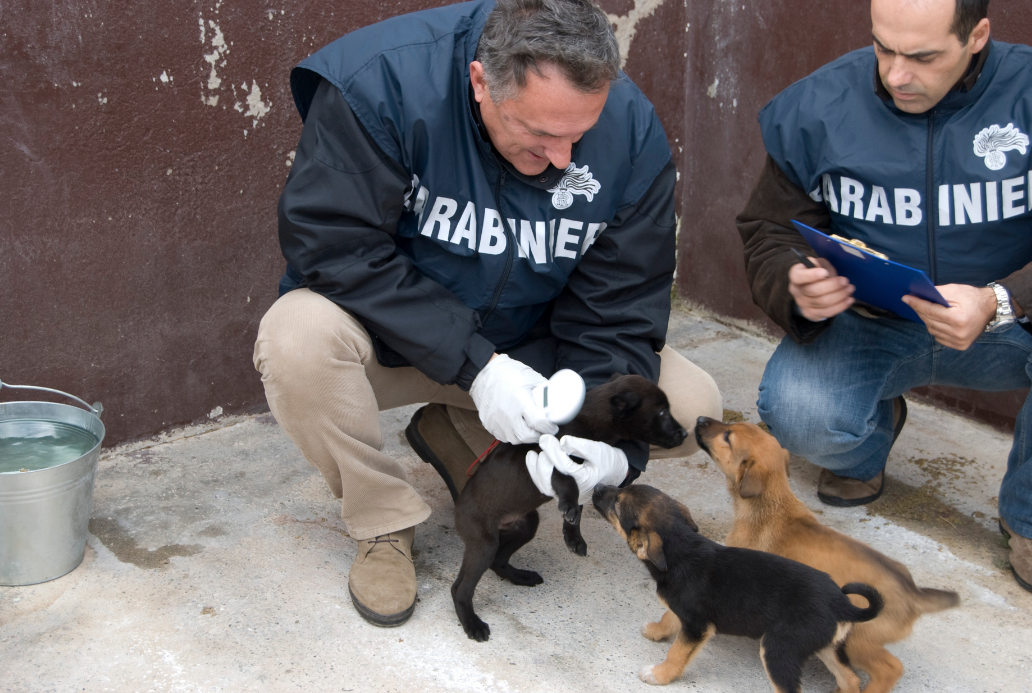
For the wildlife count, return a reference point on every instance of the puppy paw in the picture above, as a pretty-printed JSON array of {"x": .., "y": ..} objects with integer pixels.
[
  {"x": 477, "y": 629},
  {"x": 525, "y": 578},
  {"x": 654, "y": 631},
  {"x": 573, "y": 539},
  {"x": 577, "y": 545},
  {"x": 648, "y": 676}
]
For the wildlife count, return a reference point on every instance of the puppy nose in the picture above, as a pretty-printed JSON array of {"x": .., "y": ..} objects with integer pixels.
[{"x": 703, "y": 422}]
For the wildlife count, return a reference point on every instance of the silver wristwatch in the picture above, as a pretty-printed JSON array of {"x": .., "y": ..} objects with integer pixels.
[{"x": 1004, "y": 312}]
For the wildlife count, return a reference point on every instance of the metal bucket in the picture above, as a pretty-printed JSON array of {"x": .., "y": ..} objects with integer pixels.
[{"x": 45, "y": 513}]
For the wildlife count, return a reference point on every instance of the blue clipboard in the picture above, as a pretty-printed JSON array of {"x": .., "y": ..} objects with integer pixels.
[{"x": 879, "y": 282}]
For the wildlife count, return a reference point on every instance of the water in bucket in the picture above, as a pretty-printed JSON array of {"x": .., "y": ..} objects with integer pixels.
[
  {"x": 28, "y": 445},
  {"x": 45, "y": 510}
]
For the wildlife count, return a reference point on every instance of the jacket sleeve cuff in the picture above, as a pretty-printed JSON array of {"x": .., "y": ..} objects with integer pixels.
[
  {"x": 478, "y": 353},
  {"x": 637, "y": 456}
]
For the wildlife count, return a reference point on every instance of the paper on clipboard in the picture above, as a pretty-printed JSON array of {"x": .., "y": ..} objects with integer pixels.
[{"x": 879, "y": 282}]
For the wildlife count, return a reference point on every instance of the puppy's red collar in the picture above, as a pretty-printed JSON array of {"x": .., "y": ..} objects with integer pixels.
[{"x": 469, "y": 472}]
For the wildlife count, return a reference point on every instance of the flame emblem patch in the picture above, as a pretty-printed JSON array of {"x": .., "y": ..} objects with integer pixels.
[
  {"x": 576, "y": 181},
  {"x": 992, "y": 143}
]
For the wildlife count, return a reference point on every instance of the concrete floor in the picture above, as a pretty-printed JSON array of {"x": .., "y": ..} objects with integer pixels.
[{"x": 216, "y": 561}]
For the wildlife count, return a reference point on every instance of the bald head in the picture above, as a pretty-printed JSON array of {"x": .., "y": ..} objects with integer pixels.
[{"x": 966, "y": 14}]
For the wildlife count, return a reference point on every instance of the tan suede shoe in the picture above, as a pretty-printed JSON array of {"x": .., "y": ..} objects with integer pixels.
[
  {"x": 846, "y": 492},
  {"x": 1020, "y": 556},
  {"x": 432, "y": 435},
  {"x": 382, "y": 581}
]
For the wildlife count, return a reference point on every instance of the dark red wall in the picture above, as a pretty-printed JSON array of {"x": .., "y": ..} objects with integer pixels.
[
  {"x": 138, "y": 215},
  {"x": 138, "y": 242}
]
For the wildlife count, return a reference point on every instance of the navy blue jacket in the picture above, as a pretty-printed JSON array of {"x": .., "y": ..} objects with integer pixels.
[
  {"x": 399, "y": 210},
  {"x": 945, "y": 191}
]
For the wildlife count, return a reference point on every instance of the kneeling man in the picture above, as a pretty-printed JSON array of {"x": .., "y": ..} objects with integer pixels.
[
  {"x": 479, "y": 198},
  {"x": 919, "y": 147}
]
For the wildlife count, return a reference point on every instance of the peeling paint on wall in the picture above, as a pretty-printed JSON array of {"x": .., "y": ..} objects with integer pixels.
[
  {"x": 256, "y": 108},
  {"x": 627, "y": 26},
  {"x": 216, "y": 59},
  {"x": 712, "y": 90}
]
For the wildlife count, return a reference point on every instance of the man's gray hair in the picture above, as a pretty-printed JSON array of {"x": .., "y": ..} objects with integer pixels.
[{"x": 573, "y": 35}]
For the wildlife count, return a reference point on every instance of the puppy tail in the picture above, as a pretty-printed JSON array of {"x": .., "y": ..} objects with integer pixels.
[
  {"x": 930, "y": 601},
  {"x": 874, "y": 602}
]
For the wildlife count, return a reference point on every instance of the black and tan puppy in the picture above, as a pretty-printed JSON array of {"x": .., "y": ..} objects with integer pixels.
[
  {"x": 794, "y": 610},
  {"x": 496, "y": 513},
  {"x": 768, "y": 517}
]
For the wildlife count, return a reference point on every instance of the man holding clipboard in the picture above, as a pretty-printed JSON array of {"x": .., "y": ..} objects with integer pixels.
[{"x": 919, "y": 148}]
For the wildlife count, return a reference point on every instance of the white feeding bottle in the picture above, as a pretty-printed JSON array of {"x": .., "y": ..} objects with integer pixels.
[{"x": 562, "y": 396}]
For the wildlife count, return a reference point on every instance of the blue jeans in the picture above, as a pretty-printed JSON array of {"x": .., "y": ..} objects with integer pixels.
[{"x": 831, "y": 401}]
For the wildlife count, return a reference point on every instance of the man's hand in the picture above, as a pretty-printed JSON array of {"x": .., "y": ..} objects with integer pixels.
[
  {"x": 957, "y": 327},
  {"x": 502, "y": 393},
  {"x": 819, "y": 292},
  {"x": 603, "y": 464}
]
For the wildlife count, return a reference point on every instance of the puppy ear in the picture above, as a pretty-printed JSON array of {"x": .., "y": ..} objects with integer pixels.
[
  {"x": 655, "y": 551},
  {"x": 750, "y": 485},
  {"x": 649, "y": 547},
  {"x": 625, "y": 401},
  {"x": 687, "y": 515}
]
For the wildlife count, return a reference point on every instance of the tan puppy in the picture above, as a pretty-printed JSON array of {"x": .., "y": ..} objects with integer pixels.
[{"x": 768, "y": 517}]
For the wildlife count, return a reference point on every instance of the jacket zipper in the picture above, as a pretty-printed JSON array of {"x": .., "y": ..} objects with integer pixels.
[
  {"x": 508, "y": 254},
  {"x": 931, "y": 210}
]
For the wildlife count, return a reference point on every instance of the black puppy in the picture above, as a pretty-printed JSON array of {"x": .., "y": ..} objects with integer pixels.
[
  {"x": 795, "y": 610},
  {"x": 496, "y": 512}
]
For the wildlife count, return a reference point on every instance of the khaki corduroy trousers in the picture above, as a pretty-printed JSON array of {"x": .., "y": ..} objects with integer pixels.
[{"x": 326, "y": 389}]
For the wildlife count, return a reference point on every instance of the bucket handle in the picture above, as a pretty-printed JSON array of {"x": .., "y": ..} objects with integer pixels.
[{"x": 97, "y": 408}]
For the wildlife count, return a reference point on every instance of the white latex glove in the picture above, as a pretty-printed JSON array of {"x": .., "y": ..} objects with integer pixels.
[
  {"x": 502, "y": 393},
  {"x": 603, "y": 464},
  {"x": 540, "y": 468}
]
